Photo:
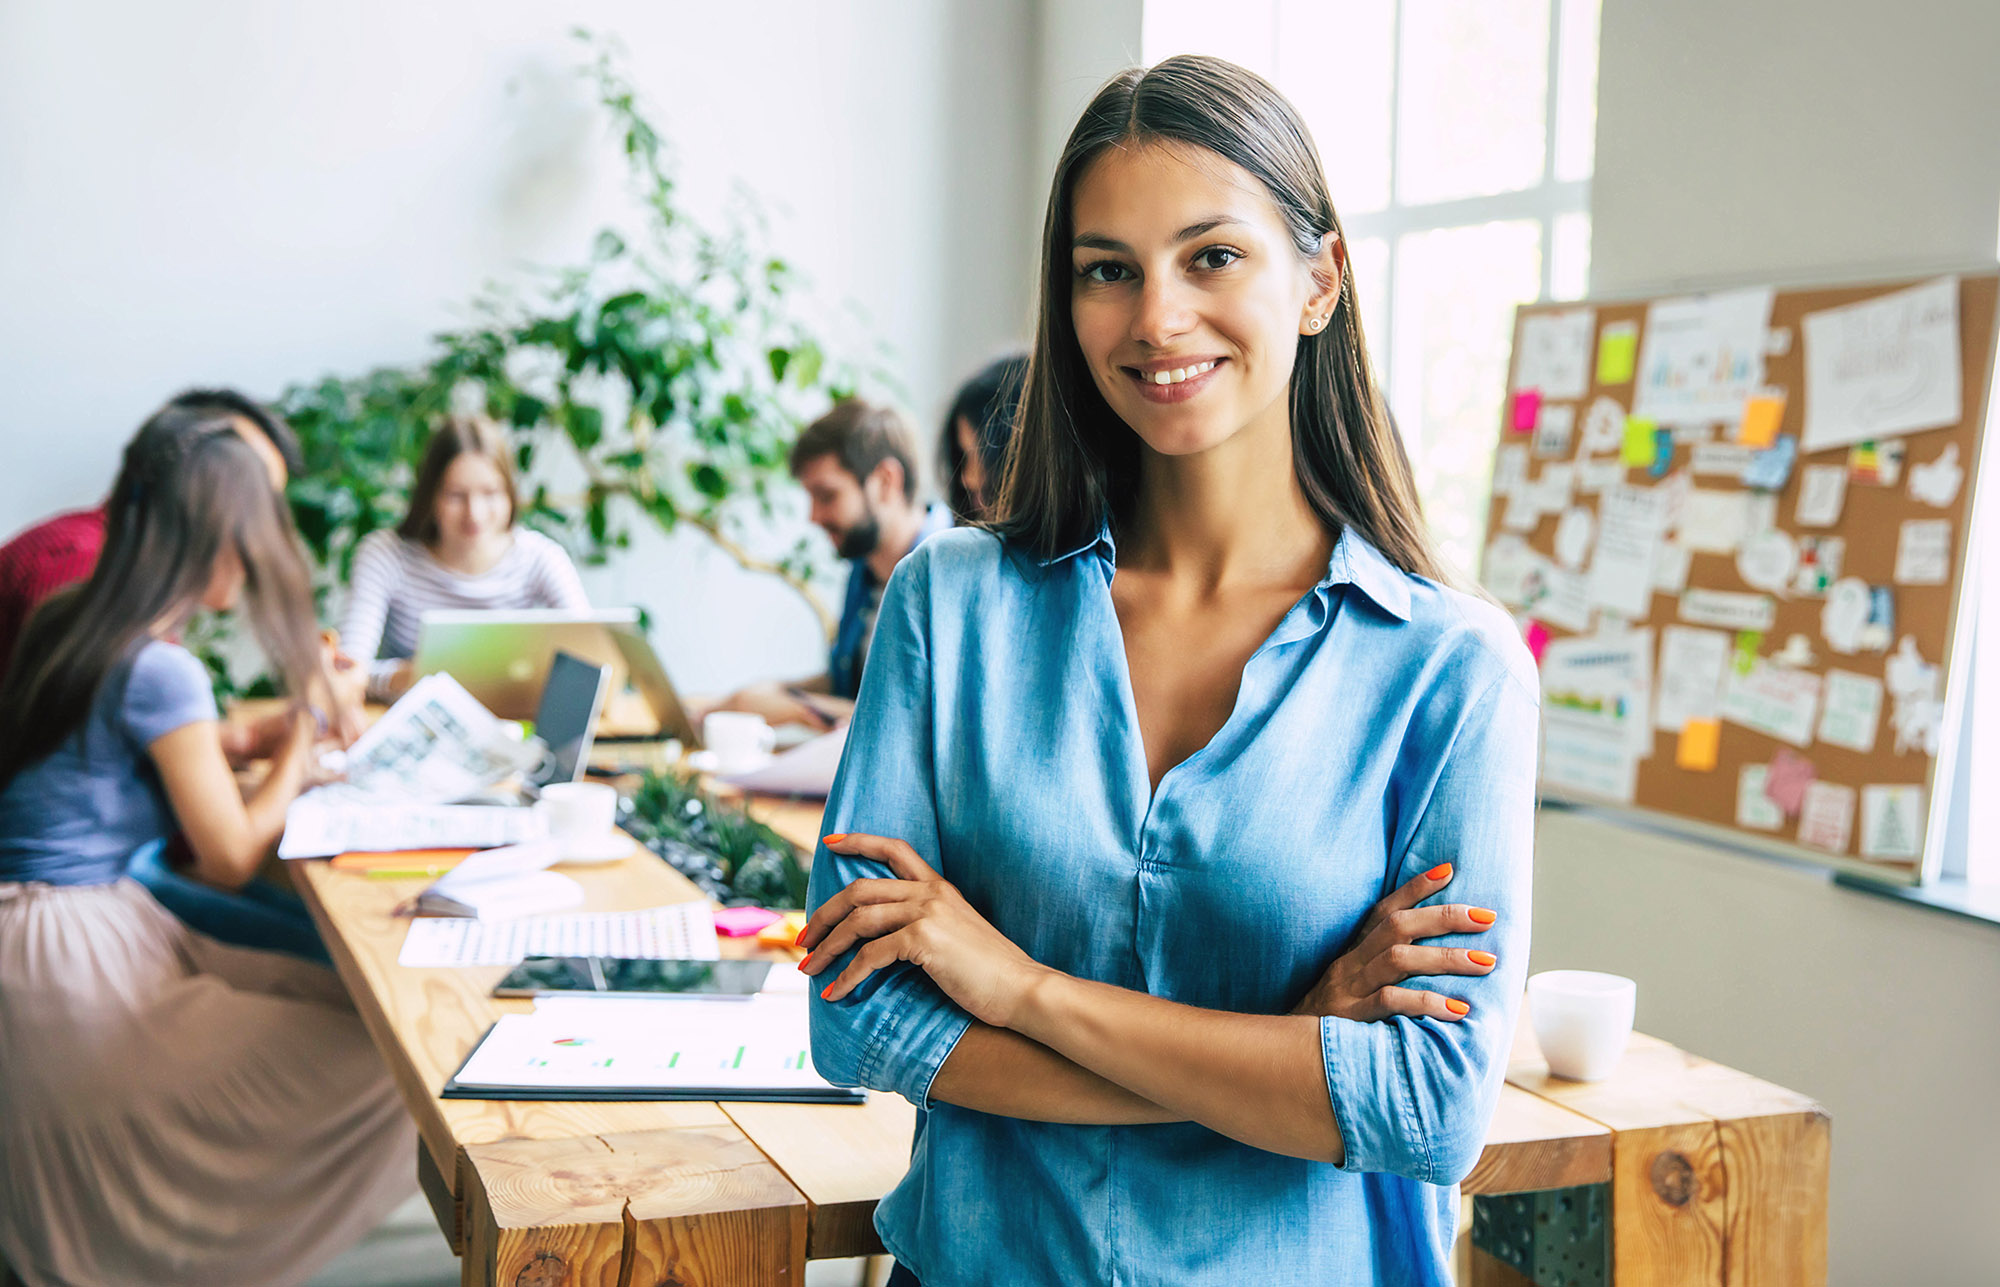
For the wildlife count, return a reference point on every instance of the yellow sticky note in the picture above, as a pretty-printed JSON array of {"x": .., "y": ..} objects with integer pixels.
[
  {"x": 1617, "y": 352},
  {"x": 784, "y": 932},
  {"x": 1641, "y": 442},
  {"x": 1700, "y": 739},
  {"x": 1761, "y": 416}
]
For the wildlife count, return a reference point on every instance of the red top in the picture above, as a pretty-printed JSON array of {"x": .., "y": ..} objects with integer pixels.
[{"x": 38, "y": 562}]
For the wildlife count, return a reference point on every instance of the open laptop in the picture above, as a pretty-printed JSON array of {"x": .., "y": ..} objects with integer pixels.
[{"x": 503, "y": 657}]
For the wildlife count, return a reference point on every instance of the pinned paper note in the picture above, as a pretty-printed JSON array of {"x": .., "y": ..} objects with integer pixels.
[
  {"x": 1772, "y": 467},
  {"x": 1724, "y": 459},
  {"x": 1663, "y": 453},
  {"x": 1573, "y": 533},
  {"x": 1716, "y": 522},
  {"x": 1845, "y": 613},
  {"x": 1754, "y": 810},
  {"x": 1880, "y": 627},
  {"x": 1553, "y": 355},
  {"x": 1553, "y": 488},
  {"x": 1937, "y": 482},
  {"x": 1923, "y": 552},
  {"x": 1826, "y": 817},
  {"x": 1603, "y": 426},
  {"x": 1778, "y": 341},
  {"x": 1917, "y": 708},
  {"x": 1507, "y": 568},
  {"x": 1596, "y": 703},
  {"x": 1699, "y": 741},
  {"x": 1522, "y": 513},
  {"x": 1510, "y": 469},
  {"x": 1819, "y": 564},
  {"x": 1773, "y": 701},
  {"x": 1621, "y": 572},
  {"x": 1762, "y": 415},
  {"x": 1691, "y": 664},
  {"x": 1822, "y": 493},
  {"x": 1526, "y": 410},
  {"x": 1853, "y": 713},
  {"x": 1876, "y": 464},
  {"x": 1892, "y": 821},
  {"x": 1640, "y": 444},
  {"x": 1617, "y": 352},
  {"x": 1767, "y": 560},
  {"x": 1797, "y": 654},
  {"x": 1555, "y": 431},
  {"x": 1670, "y": 567},
  {"x": 1785, "y": 782},
  {"x": 1593, "y": 476},
  {"x": 1536, "y": 636},
  {"x": 1564, "y": 600},
  {"x": 1748, "y": 644},
  {"x": 1728, "y": 609},
  {"x": 1702, "y": 357},
  {"x": 1884, "y": 366}
]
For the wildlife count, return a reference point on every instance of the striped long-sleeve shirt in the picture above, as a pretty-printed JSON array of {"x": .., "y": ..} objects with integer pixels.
[{"x": 396, "y": 581}]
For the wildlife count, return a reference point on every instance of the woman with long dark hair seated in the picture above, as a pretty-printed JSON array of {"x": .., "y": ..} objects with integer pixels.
[
  {"x": 172, "y": 1109},
  {"x": 1131, "y": 775},
  {"x": 972, "y": 446}
]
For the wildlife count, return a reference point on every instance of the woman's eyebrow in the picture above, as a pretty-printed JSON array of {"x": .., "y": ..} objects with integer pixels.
[{"x": 1098, "y": 241}]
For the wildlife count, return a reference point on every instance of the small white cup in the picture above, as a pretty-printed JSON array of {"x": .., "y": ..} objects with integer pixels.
[
  {"x": 1582, "y": 1020},
  {"x": 737, "y": 740},
  {"x": 580, "y": 810}
]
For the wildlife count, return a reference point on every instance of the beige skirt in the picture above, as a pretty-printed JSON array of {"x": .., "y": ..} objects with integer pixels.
[{"x": 175, "y": 1110}]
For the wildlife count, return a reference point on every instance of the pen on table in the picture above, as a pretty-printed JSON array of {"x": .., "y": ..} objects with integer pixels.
[
  {"x": 805, "y": 698},
  {"x": 403, "y": 873}
]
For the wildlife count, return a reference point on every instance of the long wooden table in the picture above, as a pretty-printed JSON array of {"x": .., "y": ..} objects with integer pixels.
[{"x": 1714, "y": 1176}]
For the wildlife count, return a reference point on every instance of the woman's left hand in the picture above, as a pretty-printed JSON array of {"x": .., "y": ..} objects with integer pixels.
[{"x": 921, "y": 918}]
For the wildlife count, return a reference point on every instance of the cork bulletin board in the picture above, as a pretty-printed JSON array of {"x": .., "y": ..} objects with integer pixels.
[{"x": 1733, "y": 528}]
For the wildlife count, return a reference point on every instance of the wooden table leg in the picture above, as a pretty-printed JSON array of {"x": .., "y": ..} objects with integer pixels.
[
  {"x": 606, "y": 1210},
  {"x": 444, "y": 1203}
]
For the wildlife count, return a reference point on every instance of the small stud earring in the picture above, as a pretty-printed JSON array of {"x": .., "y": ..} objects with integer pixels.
[{"x": 1316, "y": 323}]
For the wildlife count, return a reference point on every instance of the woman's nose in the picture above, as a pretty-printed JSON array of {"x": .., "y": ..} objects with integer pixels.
[{"x": 1163, "y": 313}]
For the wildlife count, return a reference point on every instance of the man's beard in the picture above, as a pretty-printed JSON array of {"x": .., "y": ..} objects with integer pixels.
[{"x": 859, "y": 541}]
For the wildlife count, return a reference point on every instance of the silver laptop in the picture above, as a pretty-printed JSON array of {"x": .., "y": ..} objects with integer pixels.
[{"x": 502, "y": 657}]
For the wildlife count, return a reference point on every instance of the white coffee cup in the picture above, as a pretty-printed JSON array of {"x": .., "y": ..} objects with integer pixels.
[
  {"x": 737, "y": 740},
  {"x": 580, "y": 810},
  {"x": 1583, "y": 1020}
]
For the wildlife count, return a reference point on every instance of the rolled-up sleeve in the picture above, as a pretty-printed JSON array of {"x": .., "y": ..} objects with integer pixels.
[
  {"x": 1414, "y": 1097},
  {"x": 895, "y": 1030}
]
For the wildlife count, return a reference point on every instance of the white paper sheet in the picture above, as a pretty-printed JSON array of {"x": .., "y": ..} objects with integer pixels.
[
  {"x": 1853, "y": 713},
  {"x": 1822, "y": 494},
  {"x": 1773, "y": 700},
  {"x": 1936, "y": 482},
  {"x": 1555, "y": 353},
  {"x": 320, "y": 824},
  {"x": 1573, "y": 532},
  {"x": 1702, "y": 357},
  {"x": 1510, "y": 569},
  {"x": 1594, "y": 476},
  {"x": 1892, "y": 821},
  {"x": 1670, "y": 567},
  {"x": 1564, "y": 600},
  {"x": 1826, "y": 819},
  {"x": 1510, "y": 469},
  {"x": 1597, "y": 694},
  {"x": 1923, "y": 552},
  {"x": 678, "y": 931},
  {"x": 1716, "y": 522},
  {"x": 1629, "y": 524},
  {"x": 1555, "y": 432},
  {"x": 1691, "y": 668},
  {"x": 806, "y": 769},
  {"x": 1553, "y": 488},
  {"x": 1603, "y": 426},
  {"x": 1882, "y": 367},
  {"x": 1725, "y": 459},
  {"x": 1729, "y": 609},
  {"x": 1754, "y": 809}
]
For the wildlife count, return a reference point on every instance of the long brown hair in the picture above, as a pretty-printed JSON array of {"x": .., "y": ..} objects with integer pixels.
[
  {"x": 189, "y": 485},
  {"x": 457, "y": 436},
  {"x": 1074, "y": 465}
]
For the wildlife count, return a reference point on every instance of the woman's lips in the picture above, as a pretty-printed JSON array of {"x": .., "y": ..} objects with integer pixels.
[{"x": 1192, "y": 380}]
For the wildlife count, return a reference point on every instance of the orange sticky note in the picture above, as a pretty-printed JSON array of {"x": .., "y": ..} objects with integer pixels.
[
  {"x": 1761, "y": 416},
  {"x": 1700, "y": 739},
  {"x": 782, "y": 933}
]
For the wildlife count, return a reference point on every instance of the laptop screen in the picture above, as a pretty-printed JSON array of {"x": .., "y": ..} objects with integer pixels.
[{"x": 566, "y": 719}]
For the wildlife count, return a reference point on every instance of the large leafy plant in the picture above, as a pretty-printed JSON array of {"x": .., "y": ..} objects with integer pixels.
[{"x": 666, "y": 375}]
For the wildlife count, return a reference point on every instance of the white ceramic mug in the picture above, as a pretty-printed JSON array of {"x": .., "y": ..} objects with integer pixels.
[
  {"x": 738, "y": 740},
  {"x": 580, "y": 810},
  {"x": 1582, "y": 1020}
]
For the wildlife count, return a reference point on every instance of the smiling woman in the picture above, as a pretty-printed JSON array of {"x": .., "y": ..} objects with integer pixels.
[{"x": 1176, "y": 988}]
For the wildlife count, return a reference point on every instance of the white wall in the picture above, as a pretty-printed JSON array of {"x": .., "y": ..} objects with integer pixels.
[
  {"x": 246, "y": 193},
  {"x": 1783, "y": 138}
]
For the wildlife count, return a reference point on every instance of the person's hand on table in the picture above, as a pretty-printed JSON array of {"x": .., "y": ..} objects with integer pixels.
[
  {"x": 347, "y": 690},
  {"x": 919, "y": 917},
  {"x": 1364, "y": 982},
  {"x": 779, "y": 705}
]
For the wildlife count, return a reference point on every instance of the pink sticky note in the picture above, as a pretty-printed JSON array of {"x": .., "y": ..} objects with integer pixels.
[
  {"x": 1537, "y": 637},
  {"x": 1527, "y": 410},
  {"x": 741, "y": 922},
  {"x": 1786, "y": 781}
]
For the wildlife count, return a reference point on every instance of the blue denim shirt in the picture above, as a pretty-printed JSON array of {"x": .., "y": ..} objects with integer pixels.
[
  {"x": 850, "y": 638},
  {"x": 1388, "y": 724}
]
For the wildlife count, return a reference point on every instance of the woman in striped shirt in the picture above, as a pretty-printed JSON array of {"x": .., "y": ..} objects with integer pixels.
[{"x": 459, "y": 547}]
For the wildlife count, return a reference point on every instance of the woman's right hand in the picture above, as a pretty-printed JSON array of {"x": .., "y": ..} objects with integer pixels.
[{"x": 1363, "y": 983}]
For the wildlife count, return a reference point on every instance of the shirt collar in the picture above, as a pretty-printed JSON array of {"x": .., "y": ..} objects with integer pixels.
[{"x": 1354, "y": 562}]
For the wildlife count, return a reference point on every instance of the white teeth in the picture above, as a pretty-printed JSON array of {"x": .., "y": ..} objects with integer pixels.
[{"x": 1182, "y": 373}]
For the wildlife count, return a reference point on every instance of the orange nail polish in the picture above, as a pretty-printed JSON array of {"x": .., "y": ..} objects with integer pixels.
[
  {"x": 1440, "y": 872},
  {"x": 823, "y": 995},
  {"x": 1482, "y": 958},
  {"x": 800, "y": 941},
  {"x": 833, "y": 839},
  {"x": 803, "y": 960},
  {"x": 1458, "y": 1007},
  {"x": 1480, "y": 916}
]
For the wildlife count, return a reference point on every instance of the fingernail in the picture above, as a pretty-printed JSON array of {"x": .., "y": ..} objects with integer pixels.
[
  {"x": 802, "y": 961},
  {"x": 800, "y": 941},
  {"x": 1482, "y": 958},
  {"x": 1480, "y": 916},
  {"x": 833, "y": 840},
  {"x": 1440, "y": 872},
  {"x": 1458, "y": 1007},
  {"x": 826, "y": 993}
]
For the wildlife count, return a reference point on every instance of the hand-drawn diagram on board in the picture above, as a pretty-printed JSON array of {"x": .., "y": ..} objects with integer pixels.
[{"x": 1733, "y": 529}]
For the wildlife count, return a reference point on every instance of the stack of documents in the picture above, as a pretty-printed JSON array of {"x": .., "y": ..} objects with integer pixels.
[{"x": 503, "y": 883}]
